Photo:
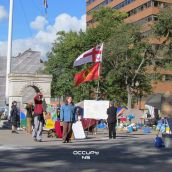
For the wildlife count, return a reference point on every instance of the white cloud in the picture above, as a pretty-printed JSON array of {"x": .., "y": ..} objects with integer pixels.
[
  {"x": 39, "y": 23},
  {"x": 3, "y": 13},
  {"x": 44, "y": 38},
  {"x": 67, "y": 23}
]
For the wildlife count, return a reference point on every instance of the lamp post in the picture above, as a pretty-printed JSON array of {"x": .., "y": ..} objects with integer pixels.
[{"x": 137, "y": 85}]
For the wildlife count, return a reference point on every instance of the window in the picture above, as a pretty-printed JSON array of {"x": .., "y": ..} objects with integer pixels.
[
  {"x": 145, "y": 20},
  {"x": 150, "y": 18},
  {"x": 168, "y": 77},
  {"x": 146, "y": 34},
  {"x": 122, "y": 4},
  {"x": 89, "y": 2},
  {"x": 140, "y": 8}
]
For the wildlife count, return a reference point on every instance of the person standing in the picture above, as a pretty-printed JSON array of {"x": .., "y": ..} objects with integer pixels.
[
  {"x": 67, "y": 116},
  {"x": 38, "y": 117},
  {"x": 111, "y": 120},
  {"x": 14, "y": 117},
  {"x": 29, "y": 117}
]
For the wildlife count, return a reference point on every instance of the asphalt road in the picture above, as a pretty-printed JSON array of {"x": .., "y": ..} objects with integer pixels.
[{"x": 127, "y": 153}]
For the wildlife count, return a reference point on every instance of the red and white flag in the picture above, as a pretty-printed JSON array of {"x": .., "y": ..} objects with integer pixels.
[{"x": 92, "y": 55}]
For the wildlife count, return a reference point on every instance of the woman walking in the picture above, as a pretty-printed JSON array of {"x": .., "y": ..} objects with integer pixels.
[
  {"x": 67, "y": 116},
  {"x": 14, "y": 117}
]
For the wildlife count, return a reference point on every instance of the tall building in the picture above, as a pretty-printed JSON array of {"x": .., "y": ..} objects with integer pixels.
[{"x": 142, "y": 12}]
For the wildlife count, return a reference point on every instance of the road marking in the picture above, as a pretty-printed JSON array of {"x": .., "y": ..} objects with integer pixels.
[{"x": 8, "y": 147}]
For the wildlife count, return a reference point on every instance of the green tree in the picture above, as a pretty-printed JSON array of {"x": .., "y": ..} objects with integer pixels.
[
  {"x": 161, "y": 51},
  {"x": 163, "y": 26},
  {"x": 106, "y": 20},
  {"x": 70, "y": 45},
  {"x": 122, "y": 55}
]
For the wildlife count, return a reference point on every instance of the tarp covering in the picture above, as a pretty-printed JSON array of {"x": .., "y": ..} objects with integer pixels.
[{"x": 155, "y": 100}]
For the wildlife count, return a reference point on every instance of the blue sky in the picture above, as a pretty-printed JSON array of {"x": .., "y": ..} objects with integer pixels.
[{"x": 31, "y": 23}]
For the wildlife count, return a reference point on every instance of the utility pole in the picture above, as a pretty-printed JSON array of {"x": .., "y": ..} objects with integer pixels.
[
  {"x": 9, "y": 51},
  {"x": 129, "y": 96}
]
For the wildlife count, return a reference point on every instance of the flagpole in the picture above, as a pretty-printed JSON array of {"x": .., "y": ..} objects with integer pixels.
[
  {"x": 98, "y": 88},
  {"x": 9, "y": 51},
  {"x": 98, "y": 84}
]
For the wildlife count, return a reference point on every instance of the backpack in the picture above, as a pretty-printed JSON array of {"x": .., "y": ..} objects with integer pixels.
[{"x": 158, "y": 142}]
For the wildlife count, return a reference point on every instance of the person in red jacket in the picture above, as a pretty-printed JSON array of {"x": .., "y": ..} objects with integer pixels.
[{"x": 38, "y": 117}]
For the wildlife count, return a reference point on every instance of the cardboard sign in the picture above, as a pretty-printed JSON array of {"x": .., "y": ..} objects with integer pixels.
[
  {"x": 78, "y": 130},
  {"x": 95, "y": 109}
]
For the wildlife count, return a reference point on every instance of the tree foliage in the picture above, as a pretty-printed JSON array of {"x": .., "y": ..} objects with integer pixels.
[
  {"x": 123, "y": 53},
  {"x": 162, "y": 51},
  {"x": 164, "y": 25}
]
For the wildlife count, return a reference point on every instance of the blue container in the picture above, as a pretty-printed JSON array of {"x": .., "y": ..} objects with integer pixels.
[
  {"x": 130, "y": 129},
  {"x": 158, "y": 142},
  {"x": 147, "y": 130},
  {"x": 138, "y": 126}
]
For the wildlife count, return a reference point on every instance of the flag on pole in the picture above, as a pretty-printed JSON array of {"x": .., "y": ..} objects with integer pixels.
[
  {"x": 92, "y": 55},
  {"x": 92, "y": 73},
  {"x": 45, "y": 5}
]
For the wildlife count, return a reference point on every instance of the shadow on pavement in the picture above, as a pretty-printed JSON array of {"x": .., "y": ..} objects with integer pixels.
[{"x": 113, "y": 156}]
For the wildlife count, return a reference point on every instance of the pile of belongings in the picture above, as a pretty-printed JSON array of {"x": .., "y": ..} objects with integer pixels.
[
  {"x": 101, "y": 125},
  {"x": 129, "y": 127},
  {"x": 163, "y": 126},
  {"x": 130, "y": 117},
  {"x": 146, "y": 130}
]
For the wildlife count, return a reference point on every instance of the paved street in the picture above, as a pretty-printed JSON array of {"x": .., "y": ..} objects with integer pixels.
[{"x": 129, "y": 152}]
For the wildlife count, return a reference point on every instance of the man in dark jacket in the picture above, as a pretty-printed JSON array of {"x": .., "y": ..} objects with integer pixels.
[
  {"x": 111, "y": 120},
  {"x": 38, "y": 117}
]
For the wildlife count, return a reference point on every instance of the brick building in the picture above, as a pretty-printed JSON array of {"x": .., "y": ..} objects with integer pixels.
[
  {"x": 142, "y": 12},
  {"x": 139, "y": 11}
]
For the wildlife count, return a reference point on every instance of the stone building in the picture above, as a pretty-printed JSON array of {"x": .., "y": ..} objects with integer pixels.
[{"x": 26, "y": 77}]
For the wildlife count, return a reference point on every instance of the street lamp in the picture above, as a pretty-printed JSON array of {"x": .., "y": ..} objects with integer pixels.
[{"x": 137, "y": 84}]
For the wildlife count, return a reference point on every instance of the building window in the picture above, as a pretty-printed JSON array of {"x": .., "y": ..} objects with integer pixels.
[
  {"x": 147, "y": 33},
  {"x": 140, "y": 8},
  {"x": 104, "y": 2},
  {"x": 123, "y": 4},
  {"x": 89, "y": 2},
  {"x": 168, "y": 77},
  {"x": 160, "y": 4},
  {"x": 146, "y": 20}
]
